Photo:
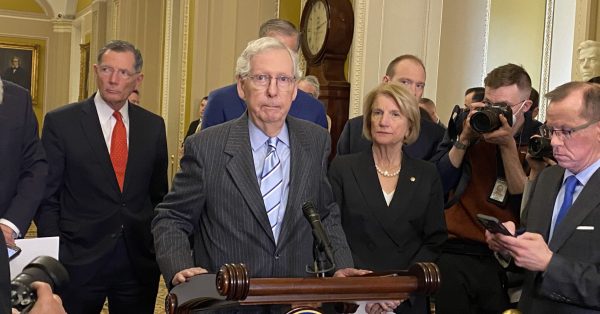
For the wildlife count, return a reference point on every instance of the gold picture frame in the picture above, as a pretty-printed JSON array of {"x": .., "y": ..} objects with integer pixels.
[
  {"x": 84, "y": 69},
  {"x": 27, "y": 72}
]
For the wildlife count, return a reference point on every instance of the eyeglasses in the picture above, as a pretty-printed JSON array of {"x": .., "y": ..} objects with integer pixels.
[
  {"x": 107, "y": 71},
  {"x": 263, "y": 80},
  {"x": 563, "y": 134},
  {"x": 503, "y": 103}
]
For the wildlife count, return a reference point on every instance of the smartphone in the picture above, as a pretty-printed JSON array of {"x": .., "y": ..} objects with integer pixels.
[
  {"x": 493, "y": 225},
  {"x": 13, "y": 251}
]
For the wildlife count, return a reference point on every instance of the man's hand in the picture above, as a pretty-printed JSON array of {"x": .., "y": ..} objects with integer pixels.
[
  {"x": 47, "y": 302},
  {"x": 183, "y": 275},
  {"x": 496, "y": 241},
  {"x": 531, "y": 252},
  {"x": 468, "y": 135},
  {"x": 8, "y": 234},
  {"x": 502, "y": 136},
  {"x": 528, "y": 250},
  {"x": 351, "y": 272},
  {"x": 381, "y": 307}
]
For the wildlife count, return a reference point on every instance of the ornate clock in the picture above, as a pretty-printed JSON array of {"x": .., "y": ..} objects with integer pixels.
[{"x": 327, "y": 28}]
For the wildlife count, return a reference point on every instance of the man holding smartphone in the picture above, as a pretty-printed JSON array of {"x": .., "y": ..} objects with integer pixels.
[{"x": 560, "y": 250}]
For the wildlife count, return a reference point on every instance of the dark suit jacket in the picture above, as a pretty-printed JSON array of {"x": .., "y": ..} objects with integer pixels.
[
  {"x": 352, "y": 141},
  {"x": 19, "y": 77},
  {"x": 381, "y": 237},
  {"x": 192, "y": 128},
  {"x": 217, "y": 193},
  {"x": 23, "y": 165},
  {"x": 225, "y": 104},
  {"x": 570, "y": 284},
  {"x": 5, "y": 306},
  {"x": 84, "y": 205}
]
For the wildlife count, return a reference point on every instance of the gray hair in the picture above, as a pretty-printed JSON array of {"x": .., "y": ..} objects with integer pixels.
[
  {"x": 590, "y": 96},
  {"x": 279, "y": 26},
  {"x": 123, "y": 46},
  {"x": 314, "y": 81},
  {"x": 255, "y": 47}
]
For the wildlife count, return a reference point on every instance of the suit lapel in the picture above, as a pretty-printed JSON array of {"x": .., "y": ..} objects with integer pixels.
[
  {"x": 540, "y": 221},
  {"x": 405, "y": 188},
  {"x": 588, "y": 200},
  {"x": 241, "y": 169},
  {"x": 298, "y": 178},
  {"x": 366, "y": 178},
  {"x": 93, "y": 132},
  {"x": 134, "y": 150}
]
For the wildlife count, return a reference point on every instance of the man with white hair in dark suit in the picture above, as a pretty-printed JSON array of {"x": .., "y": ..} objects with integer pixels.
[{"x": 225, "y": 188}]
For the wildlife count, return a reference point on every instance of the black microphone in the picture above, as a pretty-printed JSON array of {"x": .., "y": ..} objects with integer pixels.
[{"x": 310, "y": 212}]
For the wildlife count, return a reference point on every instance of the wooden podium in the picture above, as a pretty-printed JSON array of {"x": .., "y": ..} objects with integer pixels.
[{"x": 232, "y": 287}]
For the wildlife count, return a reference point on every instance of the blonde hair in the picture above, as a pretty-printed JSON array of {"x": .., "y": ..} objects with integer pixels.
[{"x": 406, "y": 102}]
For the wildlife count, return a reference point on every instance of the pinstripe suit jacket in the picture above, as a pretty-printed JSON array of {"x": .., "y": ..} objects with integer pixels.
[{"x": 216, "y": 193}]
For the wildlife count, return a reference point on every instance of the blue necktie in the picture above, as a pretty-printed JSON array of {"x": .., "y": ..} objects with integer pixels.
[
  {"x": 570, "y": 185},
  {"x": 271, "y": 185}
]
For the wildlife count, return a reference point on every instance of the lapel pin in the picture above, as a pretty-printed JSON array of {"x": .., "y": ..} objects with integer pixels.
[{"x": 412, "y": 179}]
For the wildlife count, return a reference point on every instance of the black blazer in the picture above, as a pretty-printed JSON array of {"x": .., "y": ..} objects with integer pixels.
[
  {"x": 23, "y": 165},
  {"x": 381, "y": 237},
  {"x": 84, "y": 205},
  {"x": 384, "y": 237},
  {"x": 352, "y": 141}
]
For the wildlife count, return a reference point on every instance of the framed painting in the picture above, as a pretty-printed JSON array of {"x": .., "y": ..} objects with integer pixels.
[{"x": 19, "y": 64}]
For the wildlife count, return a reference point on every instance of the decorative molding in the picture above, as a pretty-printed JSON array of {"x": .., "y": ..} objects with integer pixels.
[
  {"x": 486, "y": 37},
  {"x": 184, "y": 70},
  {"x": 358, "y": 56},
  {"x": 114, "y": 23},
  {"x": 546, "y": 59},
  {"x": 62, "y": 26},
  {"x": 166, "y": 74},
  {"x": 28, "y": 16}
]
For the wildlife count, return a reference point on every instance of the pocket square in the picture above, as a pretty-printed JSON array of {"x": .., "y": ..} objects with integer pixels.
[{"x": 587, "y": 228}]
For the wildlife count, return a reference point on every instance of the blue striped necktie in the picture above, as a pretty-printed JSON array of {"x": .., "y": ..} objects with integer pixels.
[
  {"x": 570, "y": 185},
  {"x": 271, "y": 185}
]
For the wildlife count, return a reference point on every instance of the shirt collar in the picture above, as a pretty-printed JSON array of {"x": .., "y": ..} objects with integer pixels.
[
  {"x": 583, "y": 176},
  {"x": 105, "y": 112},
  {"x": 258, "y": 137}
]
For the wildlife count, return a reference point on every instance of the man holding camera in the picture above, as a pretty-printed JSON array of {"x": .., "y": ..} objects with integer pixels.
[{"x": 473, "y": 166}]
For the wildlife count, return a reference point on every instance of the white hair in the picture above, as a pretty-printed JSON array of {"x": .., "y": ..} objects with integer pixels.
[{"x": 255, "y": 47}]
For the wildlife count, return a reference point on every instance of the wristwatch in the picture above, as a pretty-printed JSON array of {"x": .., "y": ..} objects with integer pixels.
[{"x": 460, "y": 145}]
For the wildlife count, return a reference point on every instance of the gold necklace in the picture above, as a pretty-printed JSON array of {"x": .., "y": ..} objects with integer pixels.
[{"x": 385, "y": 173}]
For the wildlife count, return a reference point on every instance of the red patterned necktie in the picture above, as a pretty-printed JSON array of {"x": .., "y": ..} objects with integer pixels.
[{"x": 118, "y": 149}]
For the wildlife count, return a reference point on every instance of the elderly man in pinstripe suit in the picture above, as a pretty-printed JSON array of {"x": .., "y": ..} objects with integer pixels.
[{"x": 220, "y": 190}]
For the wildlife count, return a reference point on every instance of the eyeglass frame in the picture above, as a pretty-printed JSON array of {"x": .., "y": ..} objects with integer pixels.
[
  {"x": 122, "y": 73},
  {"x": 488, "y": 102},
  {"x": 270, "y": 78},
  {"x": 566, "y": 134}
]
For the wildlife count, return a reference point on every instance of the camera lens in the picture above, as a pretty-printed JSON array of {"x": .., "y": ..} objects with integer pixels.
[
  {"x": 539, "y": 147},
  {"x": 485, "y": 121},
  {"x": 42, "y": 268}
]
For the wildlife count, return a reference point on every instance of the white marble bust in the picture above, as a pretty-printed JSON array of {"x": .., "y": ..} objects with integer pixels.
[{"x": 589, "y": 59}]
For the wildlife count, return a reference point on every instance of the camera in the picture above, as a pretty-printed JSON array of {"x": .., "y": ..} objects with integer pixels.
[
  {"x": 41, "y": 268},
  {"x": 486, "y": 119},
  {"x": 539, "y": 147}
]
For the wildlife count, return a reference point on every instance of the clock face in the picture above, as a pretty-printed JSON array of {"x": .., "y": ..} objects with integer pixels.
[{"x": 316, "y": 27}]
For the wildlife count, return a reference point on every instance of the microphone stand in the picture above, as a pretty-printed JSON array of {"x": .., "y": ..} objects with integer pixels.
[{"x": 320, "y": 262}]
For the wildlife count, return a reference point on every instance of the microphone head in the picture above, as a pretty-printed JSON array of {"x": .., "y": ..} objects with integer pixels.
[{"x": 309, "y": 210}]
